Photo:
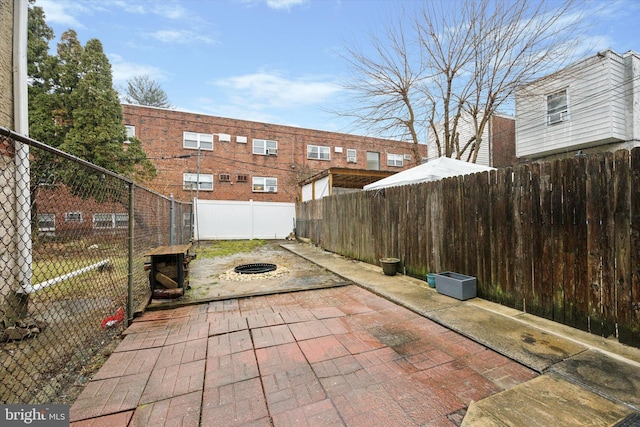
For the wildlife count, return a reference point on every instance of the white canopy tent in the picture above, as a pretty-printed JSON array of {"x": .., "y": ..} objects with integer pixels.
[{"x": 433, "y": 170}]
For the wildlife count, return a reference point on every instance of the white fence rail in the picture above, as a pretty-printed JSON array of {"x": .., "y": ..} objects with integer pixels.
[{"x": 235, "y": 220}]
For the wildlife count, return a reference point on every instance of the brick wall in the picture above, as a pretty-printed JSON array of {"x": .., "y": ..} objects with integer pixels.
[
  {"x": 161, "y": 132},
  {"x": 6, "y": 65},
  {"x": 503, "y": 141}
]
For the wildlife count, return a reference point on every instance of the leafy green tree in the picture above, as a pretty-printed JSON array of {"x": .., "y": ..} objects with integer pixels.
[
  {"x": 41, "y": 70},
  {"x": 73, "y": 106},
  {"x": 142, "y": 90},
  {"x": 96, "y": 132}
]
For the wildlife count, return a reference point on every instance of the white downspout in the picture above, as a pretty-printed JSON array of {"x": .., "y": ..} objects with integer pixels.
[{"x": 23, "y": 196}]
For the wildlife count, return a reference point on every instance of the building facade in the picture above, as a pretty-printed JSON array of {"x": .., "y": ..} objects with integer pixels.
[
  {"x": 497, "y": 148},
  {"x": 216, "y": 158},
  {"x": 592, "y": 105}
]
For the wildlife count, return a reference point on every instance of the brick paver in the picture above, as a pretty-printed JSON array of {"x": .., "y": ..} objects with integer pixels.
[
  {"x": 182, "y": 410},
  {"x": 330, "y": 357}
]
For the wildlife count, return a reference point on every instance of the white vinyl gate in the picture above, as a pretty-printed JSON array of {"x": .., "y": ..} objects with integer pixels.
[{"x": 235, "y": 220}]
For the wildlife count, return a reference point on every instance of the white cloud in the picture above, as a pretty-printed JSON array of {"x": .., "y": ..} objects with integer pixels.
[
  {"x": 123, "y": 70},
  {"x": 284, "y": 4},
  {"x": 62, "y": 12},
  {"x": 274, "y": 4},
  {"x": 270, "y": 90},
  {"x": 180, "y": 37}
]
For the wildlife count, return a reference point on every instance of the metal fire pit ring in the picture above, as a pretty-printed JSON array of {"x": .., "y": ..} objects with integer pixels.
[{"x": 255, "y": 268}]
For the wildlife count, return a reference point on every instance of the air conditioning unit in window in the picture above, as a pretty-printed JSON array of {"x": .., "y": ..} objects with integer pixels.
[
  {"x": 351, "y": 159},
  {"x": 271, "y": 189},
  {"x": 407, "y": 157},
  {"x": 557, "y": 117},
  {"x": 272, "y": 151}
]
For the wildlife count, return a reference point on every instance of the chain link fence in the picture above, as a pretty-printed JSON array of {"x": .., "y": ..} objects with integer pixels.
[{"x": 72, "y": 262}]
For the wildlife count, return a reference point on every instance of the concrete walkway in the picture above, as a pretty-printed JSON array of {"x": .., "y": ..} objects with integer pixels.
[{"x": 345, "y": 356}]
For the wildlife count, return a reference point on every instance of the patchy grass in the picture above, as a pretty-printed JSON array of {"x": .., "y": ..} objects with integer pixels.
[
  {"x": 227, "y": 247},
  {"x": 46, "y": 269}
]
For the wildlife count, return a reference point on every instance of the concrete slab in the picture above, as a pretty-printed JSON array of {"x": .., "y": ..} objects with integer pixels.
[
  {"x": 613, "y": 378},
  {"x": 530, "y": 346},
  {"x": 545, "y": 401}
]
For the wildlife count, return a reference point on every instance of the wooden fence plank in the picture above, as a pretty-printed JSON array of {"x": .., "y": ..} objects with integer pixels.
[
  {"x": 581, "y": 283},
  {"x": 593, "y": 210},
  {"x": 622, "y": 228},
  {"x": 545, "y": 264},
  {"x": 608, "y": 289},
  {"x": 483, "y": 242},
  {"x": 470, "y": 221},
  {"x": 634, "y": 237},
  {"x": 557, "y": 236},
  {"x": 524, "y": 267},
  {"x": 534, "y": 302}
]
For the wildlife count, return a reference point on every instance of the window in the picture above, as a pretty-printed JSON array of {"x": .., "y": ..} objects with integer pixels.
[
  {"x": 265, "y": 147},
  {"x": 121, "y": 220},
  {"x": 224, "y": 137},
  {"x": 194, "y": 140},
  {"x": 241, "y": 178},
  {"x": 373, "y": 161},
  {"x": 224, "y": 177},
  {"x": 265, "y": 185},
  {"x": 557, "y": 107},
  {"x": 395, "y": 159},
  {"x": 241, "y": 139},
  {"x": 73, "y": 217},
  {"x": 110, "y": 220},
  {"x": 46, "y": 222},
  {"x": 351, "y": 155},
  {"x": 186, "y": 220},
  {"x": 103, "y": 220},
  {"x": 193, "y": 181},
  {"x": 131, "y": 132},
  {"x": 318, "y": 152}
]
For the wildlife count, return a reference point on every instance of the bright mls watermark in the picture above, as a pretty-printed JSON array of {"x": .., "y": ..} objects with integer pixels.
[{"x": 34, "y": 415}]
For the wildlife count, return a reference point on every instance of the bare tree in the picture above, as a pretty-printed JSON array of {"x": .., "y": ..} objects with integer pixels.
[
  {"x": 142, "y": 90},
  {"x": 386, "y": 88},
  {"x": 470, "y": 57}
]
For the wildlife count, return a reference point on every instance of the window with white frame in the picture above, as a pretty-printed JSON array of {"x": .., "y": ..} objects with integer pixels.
[
  {"x": 373, "y": 161},
  {"x": 194, "y": 141},
  {"x": 557, "y": 107},
  {"x": 265, "y": 147},
  {"x": 106, "y": 220},
  {"x": 318, "y": 152},
  {"x": 186, "y": 220},
  {"x": 121, "y": 220},
  {"x": 395, "y": 159},
  {"x": 46, "y": 222},
  {"x": 224, "y": 137},
  {"x": 131, "y": 132},
  {"x": 351, "y": 155},
  {"x": 194, "y": 181},
  {"x": 265, "y": 185},
  {"x": 73, "y": 217}
]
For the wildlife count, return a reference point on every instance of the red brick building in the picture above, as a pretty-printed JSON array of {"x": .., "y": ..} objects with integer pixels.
[{"x": 228, "y": 159}]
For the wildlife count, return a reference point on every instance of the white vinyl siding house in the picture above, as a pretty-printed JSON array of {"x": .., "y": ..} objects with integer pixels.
[
  {"x": 588, "y": 104},
  {"x": 466, "y": 131}
]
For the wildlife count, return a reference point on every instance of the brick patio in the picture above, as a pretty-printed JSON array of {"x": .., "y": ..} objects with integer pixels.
[{"x": 329, "y": 357}]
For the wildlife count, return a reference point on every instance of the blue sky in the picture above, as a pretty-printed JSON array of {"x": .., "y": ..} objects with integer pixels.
[{"x": 275, "y": 61}]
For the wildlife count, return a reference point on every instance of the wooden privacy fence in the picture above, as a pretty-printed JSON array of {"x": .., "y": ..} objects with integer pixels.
[{"x": 560, "y": 240}]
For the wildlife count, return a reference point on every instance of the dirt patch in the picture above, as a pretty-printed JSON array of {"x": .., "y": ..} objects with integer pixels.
[{"x": 215, "y": 278}]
